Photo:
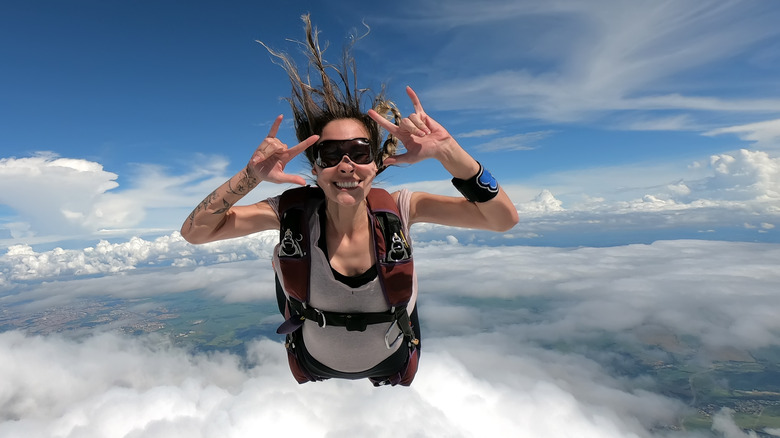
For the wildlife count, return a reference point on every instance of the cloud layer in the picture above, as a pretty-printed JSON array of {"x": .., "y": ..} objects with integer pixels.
[
  {"x": 109, "y": 386},
  {"x": 739, "y": 189},
  {"x": 487, "y": 365}
]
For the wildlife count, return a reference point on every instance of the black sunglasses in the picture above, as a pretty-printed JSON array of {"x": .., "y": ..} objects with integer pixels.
[{"x": 329, "y": 153}]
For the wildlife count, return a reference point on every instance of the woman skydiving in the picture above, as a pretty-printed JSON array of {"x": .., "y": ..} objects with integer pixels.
[{"x": 345, "y": 275}]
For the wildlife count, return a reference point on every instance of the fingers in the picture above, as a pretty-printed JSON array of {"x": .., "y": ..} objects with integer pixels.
[
  {"x": 275, "y": 126},
  {"x": 269, "y": 147},
  {"x": 418, "y": 118},
  {"x": 415, "y": 100},
  {"x": 292, "y": 179},
  {"x": 414, "y": 125},
  {"x": 302, "y": 146},
  {"x": 397, "y": 159},
  {"x": 383, "y": 122}
]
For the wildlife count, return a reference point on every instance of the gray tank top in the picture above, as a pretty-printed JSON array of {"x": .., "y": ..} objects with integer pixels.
[{"x": 335, "y": 347}]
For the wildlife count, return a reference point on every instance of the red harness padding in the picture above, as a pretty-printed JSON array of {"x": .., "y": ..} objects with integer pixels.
[
  {"x": 395, "y": 270},
  {"x": 391, "y": 248}
]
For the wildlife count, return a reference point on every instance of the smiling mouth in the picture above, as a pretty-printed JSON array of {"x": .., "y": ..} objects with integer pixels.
[{"x": 346, "y": 185}]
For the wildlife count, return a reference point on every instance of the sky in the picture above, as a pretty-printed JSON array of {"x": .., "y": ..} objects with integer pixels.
[
  {"x": 639, "y": 141},
  {"x": 118, "y": 117}
]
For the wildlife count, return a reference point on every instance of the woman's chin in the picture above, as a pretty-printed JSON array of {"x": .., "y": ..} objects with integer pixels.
[{"x": 348, "y": 197}]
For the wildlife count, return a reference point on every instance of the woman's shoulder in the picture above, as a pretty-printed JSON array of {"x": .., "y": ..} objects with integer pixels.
[{"x": 401, "y": 194}]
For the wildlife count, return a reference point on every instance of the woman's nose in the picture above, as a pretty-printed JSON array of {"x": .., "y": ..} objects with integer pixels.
[{"x": 346, "y": 164}]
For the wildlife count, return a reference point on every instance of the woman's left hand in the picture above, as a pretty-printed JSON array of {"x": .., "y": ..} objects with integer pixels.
[{"x": 422, "y": 136}]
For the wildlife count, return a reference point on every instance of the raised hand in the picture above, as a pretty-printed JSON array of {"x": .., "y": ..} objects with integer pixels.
[
  {"x": 421, "y": 135},
  {"x": 271, "y": 157}
]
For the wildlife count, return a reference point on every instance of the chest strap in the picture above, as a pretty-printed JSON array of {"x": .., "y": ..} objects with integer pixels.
[
  {"x": 351, "y": 321},
  {"x": 354, "y": 322}
]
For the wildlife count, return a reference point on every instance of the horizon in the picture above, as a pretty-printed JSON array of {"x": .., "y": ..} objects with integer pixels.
[{"x": 639, "y": 142}]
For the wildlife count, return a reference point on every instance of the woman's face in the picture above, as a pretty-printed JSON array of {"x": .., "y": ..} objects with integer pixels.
[{"x": 346, "y": 183}]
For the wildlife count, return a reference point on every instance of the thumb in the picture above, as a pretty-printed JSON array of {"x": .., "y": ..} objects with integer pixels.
[
  {"x": 396, "y": 159},
  {"x": 292, "y": 179}
]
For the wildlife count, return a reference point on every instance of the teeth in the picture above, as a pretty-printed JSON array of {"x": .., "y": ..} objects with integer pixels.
[{"x": 347, "y": 185}]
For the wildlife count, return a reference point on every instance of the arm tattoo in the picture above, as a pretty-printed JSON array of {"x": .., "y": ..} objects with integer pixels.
[
  {"x": 204, "y": 204},
  {"x": 244, "y": 185},
  {"x": 225, "y": 207}
]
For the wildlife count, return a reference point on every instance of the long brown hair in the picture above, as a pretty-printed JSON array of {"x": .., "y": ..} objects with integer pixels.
[{"x": 316, "y": 105}]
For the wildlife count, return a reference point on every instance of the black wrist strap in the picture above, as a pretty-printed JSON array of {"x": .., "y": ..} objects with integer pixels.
[{"x": 481, "y": 187}]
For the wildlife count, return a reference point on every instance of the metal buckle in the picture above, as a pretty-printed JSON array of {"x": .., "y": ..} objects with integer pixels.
[
  {"x": 324, "y": 321},
  {"x": 389, "y": 344},
  {"x": 398, "y": 251}
]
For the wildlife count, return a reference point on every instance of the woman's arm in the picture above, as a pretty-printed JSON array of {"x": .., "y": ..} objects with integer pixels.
[
  {"x": 217, "y": 217},
  {"x": 425, "y": 138}
]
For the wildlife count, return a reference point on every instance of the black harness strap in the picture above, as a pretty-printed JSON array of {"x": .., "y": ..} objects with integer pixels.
[
  {"x": 352, "y": 321},
  {"x": 394, "y": 270}
]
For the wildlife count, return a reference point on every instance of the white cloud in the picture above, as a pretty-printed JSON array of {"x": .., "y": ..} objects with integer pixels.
[
  {"x": 56, "y": 195},
  {"x": 21, "y": 263},
  {"x": 602, "y": 56},
  {"x": 478, "y": 133},
  {"x": 683, "y": 122},
  {"x": 518, "y": 142},
  {"x": 75, "y": 198},
  {"x": 728, "y": 190},
  {"x": 544, "y": 202},
  {"x": 765, "y": 134},
  {"x": 722, "y": 423},
  {"x": 746, "y": 175},
  {"x": 111, "y": 386},
  {"x": 731, "y": 191},
  {"x": 483, "y": 370},
  {"x": 743, "y": 179},
  {"x": 666, "y": 266}
]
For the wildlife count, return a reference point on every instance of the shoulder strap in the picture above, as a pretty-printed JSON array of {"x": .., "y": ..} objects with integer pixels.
[
  {"x": 392, "y": 249},
  {"x": 296, "y": 206}
]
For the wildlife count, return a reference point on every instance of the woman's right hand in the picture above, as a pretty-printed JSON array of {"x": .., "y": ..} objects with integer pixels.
[{"x": 271, "y": 157}]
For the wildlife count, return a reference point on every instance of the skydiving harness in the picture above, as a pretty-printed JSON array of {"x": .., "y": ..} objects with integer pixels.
[{"x": 393, "y": 262}]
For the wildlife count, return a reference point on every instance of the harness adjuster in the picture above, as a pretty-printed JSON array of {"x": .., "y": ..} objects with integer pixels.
[
  {"x": 392, "y": 344},
  {"x": 355, "y": 324},
  {"x": 320, "y": 317}
]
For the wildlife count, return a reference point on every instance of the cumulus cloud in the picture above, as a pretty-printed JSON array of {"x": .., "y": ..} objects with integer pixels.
[
  {"x": 57, "y": 195},
  {"x": 21, "y": 263},
  {"x": 67, "y": 197},
  {"x": 486, "y": 367},
  {"x": 727, "y": 190},
  {"x": 746, "y": 175},
  {"x": 544, "y": 202},
  {"x": 741, "y": 191}
]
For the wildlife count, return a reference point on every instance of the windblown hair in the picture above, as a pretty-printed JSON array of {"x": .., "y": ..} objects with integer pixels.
[{"x": 314, "y": 105}]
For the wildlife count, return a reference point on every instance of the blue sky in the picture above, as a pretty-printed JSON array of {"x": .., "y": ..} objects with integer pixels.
[
  {"x": 639, "y": 141},
  {"x": 117, "y": 117}
]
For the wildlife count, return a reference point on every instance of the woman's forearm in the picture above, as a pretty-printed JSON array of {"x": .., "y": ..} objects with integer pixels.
[
  {"x": 212, "y": 213},
  {"x": 499, "y": 213}
]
